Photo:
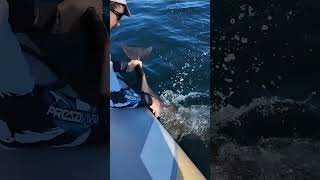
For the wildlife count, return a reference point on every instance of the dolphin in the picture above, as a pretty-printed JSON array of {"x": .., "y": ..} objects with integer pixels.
[{"x": 139, "y": 53}]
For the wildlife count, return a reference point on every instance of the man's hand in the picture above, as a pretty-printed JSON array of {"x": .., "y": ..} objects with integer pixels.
[
  {"x": 156, "y": 106},
  {"x": 132, "y": 65}
]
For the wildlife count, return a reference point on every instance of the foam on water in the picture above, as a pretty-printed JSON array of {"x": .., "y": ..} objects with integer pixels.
[
  {"x": 264, "y": 101},
  {"x": 190, "y": 118},
  {"x": 265, "y": 108}
]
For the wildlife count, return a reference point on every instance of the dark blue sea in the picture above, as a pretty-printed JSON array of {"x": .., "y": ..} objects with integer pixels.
[
  {"x": 265, "y": 90},
  {"x": 179, "y": 66}
]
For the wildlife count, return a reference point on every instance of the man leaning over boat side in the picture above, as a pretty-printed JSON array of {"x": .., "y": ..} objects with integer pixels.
[{"x": 125, "y": 97}]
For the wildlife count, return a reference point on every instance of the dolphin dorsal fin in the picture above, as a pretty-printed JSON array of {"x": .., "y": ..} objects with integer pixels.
[{"x": 137, "y": 52}]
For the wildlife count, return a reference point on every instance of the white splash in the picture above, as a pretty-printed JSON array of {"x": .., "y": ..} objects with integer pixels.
[{"x": 193, "y": 118}]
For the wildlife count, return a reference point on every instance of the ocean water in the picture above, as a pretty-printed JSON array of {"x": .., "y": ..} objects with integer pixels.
[
  {"x": 179, "y": 66},
  {"x": 266, "y": 113}
]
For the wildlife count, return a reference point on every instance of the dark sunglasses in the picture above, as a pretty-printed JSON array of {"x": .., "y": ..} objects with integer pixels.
[{"x": 119, "y": 15}]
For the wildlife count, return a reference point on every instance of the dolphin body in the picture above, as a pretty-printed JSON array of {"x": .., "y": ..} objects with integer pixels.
[{"x": 139, "y": 53}]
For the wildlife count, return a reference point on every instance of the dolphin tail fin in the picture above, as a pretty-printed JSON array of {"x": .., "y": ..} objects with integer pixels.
[{"x": 137, "y": 52}]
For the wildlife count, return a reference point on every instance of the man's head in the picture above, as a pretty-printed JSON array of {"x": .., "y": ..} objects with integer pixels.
[{"x": 118, "y": 8}]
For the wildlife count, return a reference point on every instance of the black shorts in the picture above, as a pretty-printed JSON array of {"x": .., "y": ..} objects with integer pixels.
[
  {"x": 128, "y": 98},
  {"x": 45, "y": 117}
]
